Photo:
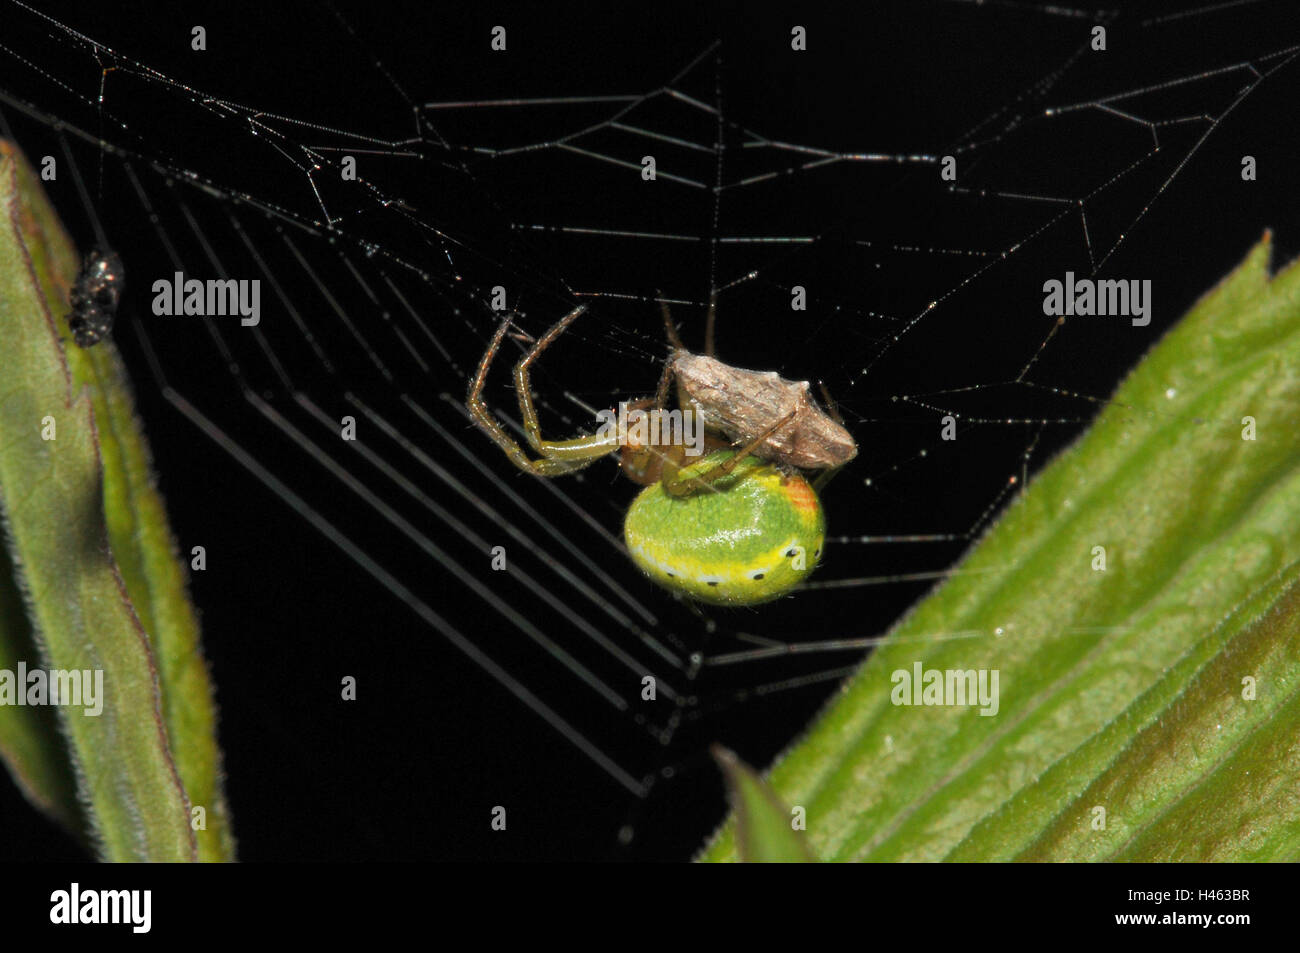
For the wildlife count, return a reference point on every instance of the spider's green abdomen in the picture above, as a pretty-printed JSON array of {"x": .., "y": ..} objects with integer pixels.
[{"x": 747, "y": 538}]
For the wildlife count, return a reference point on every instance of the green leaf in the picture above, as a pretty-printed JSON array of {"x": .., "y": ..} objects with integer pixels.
[
  {"x": 1125, "y": 694},
  {"x": 97, "y": 570},
  {"x": 30, "y": 743},
  {"x": 764, "y": 831}
]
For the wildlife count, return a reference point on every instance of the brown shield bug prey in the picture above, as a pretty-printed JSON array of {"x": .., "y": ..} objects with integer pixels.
[{"x": 743, "y": 404}]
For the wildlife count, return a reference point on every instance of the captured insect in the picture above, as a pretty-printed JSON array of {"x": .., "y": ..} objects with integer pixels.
[
  {"x": 738, "y": 526},
  {"x": 94, "y": 297}
]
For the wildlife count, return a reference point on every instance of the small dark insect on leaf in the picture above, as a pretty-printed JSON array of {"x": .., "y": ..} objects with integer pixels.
[{"x": 94, "y": 297}]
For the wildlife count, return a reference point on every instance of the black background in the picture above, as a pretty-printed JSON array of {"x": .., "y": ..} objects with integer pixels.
[{"x": 410, "y": 770}]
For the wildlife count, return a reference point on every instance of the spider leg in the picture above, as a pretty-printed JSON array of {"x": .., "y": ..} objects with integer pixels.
[
  {"x": 710, "y": 322},
  {"x": 825, "y": 477},
  {"x": 559, "y": 456},
  {"x": 678, "y": 485},
  {"x": 665, "y": 380},
  {"x": 675, "y": 344},
  {"x": 833, "y": 409},
  {"x": 523, "y": 386},
  {"x": 674, "y": 339}
]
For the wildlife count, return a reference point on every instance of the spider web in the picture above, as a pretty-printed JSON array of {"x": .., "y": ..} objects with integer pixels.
[{"x": 522, "y": 169}]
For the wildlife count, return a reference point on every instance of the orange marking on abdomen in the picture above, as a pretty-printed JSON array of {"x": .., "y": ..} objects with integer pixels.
[{"x": 801, "y": 495}]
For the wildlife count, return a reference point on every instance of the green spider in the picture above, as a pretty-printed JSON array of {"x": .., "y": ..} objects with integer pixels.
[{"x": 738, "y": 525}]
